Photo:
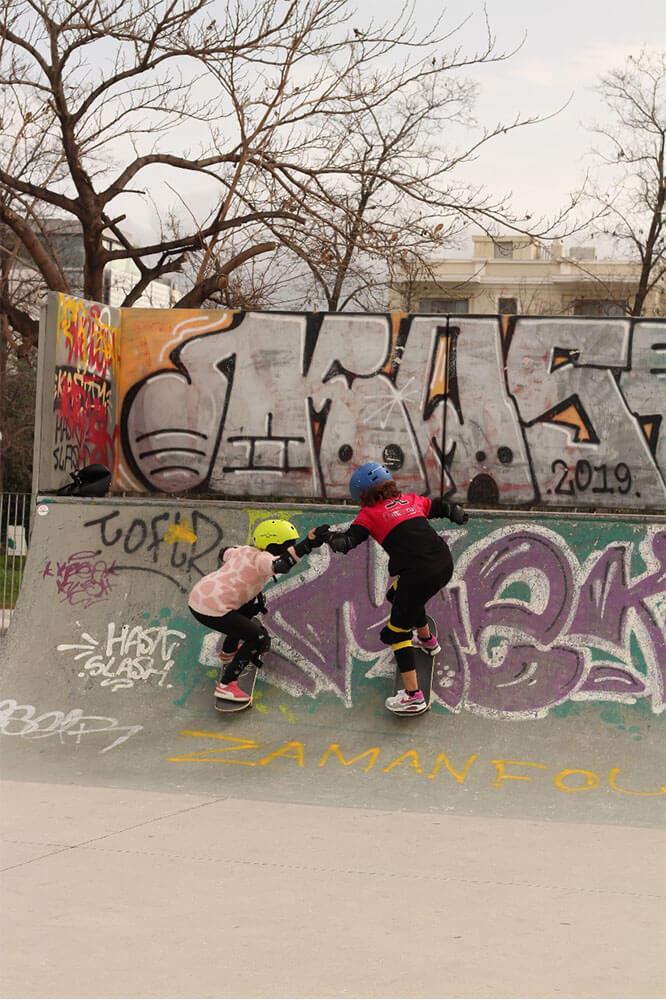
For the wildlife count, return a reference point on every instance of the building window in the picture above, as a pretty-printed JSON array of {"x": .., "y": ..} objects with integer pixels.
[
  {"x": 444, "y": 305},
  {"x": 507, "y": 306},
  {"x": 597, "y": 307},
  {"x": 504, "y": 248}
]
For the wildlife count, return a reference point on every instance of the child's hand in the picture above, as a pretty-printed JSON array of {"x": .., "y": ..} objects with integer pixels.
[
  {"x": 319, "y": 535},
  {"x": 458, "y": 514},
  {"x": 339, "y": 542}
]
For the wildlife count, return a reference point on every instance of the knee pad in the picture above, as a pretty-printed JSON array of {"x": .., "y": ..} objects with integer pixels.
[
  {"x": 263, "y": 642},
  {"x": 260, "y": 646},
  {"x": 395, "y": 637}
]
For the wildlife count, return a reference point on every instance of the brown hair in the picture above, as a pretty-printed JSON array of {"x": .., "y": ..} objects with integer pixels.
[{"x": 385, "y": 491}]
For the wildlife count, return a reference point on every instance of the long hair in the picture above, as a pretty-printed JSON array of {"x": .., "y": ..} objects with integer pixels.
[{"x": 376, "y": 494}]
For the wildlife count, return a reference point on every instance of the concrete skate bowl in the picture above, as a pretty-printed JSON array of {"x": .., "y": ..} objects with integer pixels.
[{"x": 548, "y": 697}]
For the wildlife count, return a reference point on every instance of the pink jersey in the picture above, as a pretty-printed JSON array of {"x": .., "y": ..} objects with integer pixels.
[
  {"x": 244, "y": 573},
  {"x": 380, "y": 518}
]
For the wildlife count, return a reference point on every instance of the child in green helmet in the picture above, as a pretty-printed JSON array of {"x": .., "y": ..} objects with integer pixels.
[{"x": 228, "y": 599}]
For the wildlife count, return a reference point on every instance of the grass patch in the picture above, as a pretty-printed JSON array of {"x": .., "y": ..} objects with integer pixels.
[{"x": 11, "y": 571}]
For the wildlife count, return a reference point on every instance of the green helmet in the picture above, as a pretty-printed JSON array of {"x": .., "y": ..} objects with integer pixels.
[{"x": 273, "y": 532}]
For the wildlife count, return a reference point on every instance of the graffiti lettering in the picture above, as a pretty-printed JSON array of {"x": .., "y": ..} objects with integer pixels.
[
  {"x": 579, "y": 478},
  {"x": 22, "y": 720},
  {"x": 133, "y": 654},
  {"x": 90, "y": 338},
  {"x": 89, "y": 390},
  {"x": 66, "y": 457},
  {"x": 413, "y": 762},
  {"x": 83, "y": 421},
  {"x": 547, "y": 412},
  {"x": 174, "y": 541},
  {"x": 83, "y": 579}
]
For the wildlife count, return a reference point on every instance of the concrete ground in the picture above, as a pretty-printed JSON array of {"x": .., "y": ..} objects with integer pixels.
[{"x": 110, "y": 892}]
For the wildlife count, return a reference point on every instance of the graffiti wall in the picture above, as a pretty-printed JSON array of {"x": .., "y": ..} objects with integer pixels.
[
  {"x": 564, "y": 412},
  {"x": 540, "y": 613},
  {"x": 79, "y": 354}
]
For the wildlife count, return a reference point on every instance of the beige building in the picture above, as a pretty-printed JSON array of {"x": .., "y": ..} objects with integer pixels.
[{"x": 512, "y": 274}]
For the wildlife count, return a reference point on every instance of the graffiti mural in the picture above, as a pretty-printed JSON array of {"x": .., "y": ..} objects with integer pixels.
[
  {"x": 525, "y": 625},
  {"x": 562, "y": 411},
  {"x": 543, "y": 614},
  {"x": 539, "y": 613},
  {"x": 85, "y": 377}
]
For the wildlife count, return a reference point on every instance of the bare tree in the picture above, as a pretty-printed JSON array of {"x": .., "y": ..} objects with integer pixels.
[
  {"x": 306, "y": 129},
  {"x": 383, "y": 184},
  {"x": 631, "y": 188}
]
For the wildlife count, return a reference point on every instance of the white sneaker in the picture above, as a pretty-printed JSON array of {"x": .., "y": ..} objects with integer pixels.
[{"x": 406, "y": 704}]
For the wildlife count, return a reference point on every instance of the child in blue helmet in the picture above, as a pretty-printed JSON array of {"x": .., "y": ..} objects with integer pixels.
[{"x": 418, "y": 557}]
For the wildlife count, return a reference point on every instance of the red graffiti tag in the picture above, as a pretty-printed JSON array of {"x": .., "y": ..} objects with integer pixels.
[{"x": 83, "y": 579}]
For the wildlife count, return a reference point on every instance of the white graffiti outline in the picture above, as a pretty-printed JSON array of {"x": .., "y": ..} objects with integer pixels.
[{"x": 73, "y": 724}]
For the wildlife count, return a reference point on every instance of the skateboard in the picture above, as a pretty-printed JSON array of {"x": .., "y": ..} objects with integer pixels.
[
  {"x": 425, "y": 668},
  {"x": 246, "y": 682}
]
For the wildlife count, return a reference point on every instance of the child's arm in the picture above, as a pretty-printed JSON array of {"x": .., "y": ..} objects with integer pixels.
[
  {"x": 315, "y": 537},
  {"x": 442, "y": 508},
  {"x": 343, "y": 541}
]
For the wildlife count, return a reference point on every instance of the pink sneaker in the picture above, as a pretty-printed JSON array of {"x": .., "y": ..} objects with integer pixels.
[
  {"x": 406, "y": 704},
  {"x": 430, "y": 645},
  {"x": 230, "y": 691}
]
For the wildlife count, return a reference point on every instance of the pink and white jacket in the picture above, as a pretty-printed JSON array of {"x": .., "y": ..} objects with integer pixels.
[{"x": 244, "y": 573}]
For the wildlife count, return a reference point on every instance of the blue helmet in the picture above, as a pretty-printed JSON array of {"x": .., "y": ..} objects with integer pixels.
[{"x": 366, "y": 476}]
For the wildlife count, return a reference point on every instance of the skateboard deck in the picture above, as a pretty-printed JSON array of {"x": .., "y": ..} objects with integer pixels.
[
  {"x": 425, "y": 668},
  {"x": 246, "y": 682}
]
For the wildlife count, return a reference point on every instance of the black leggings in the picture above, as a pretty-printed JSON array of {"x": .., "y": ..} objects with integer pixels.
[
  {"x": 237, "y": 627},
  {"x": 409, "y": 596}
]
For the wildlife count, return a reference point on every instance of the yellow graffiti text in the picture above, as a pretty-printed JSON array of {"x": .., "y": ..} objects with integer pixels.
[
  {"x": 590, "y": 780},
  {"x": 503, "y": 776},
  {"x": 458, "y": 775},
  {"x": 204, "y": 756},
  {"x": 612, "y": 775},
  {"x": 411, "y": 759},
  {"x": 334, "y": 749},
  {"x": 568, "y": 780},
  {"x": 294, "y": 750}
]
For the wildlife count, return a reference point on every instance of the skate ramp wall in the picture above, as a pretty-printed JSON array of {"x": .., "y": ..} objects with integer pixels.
[
  {"x": 560, "y": 412},
  {"x": 548, "y": 697}
]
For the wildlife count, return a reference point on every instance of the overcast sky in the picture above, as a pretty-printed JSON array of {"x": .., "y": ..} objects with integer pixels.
[{"x": 568, "y": 44}]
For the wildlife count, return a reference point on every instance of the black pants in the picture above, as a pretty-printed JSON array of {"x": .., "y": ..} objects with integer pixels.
[
  {"x": 409, "y": 596},
  {"x": 236, "y": 626}
]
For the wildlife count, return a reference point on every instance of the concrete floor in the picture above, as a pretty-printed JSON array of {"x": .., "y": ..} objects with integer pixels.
[{"x": 121, "y": 893}]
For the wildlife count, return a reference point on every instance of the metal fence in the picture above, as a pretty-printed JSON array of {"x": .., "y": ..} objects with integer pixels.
[{"x": 14, "y": 537}]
